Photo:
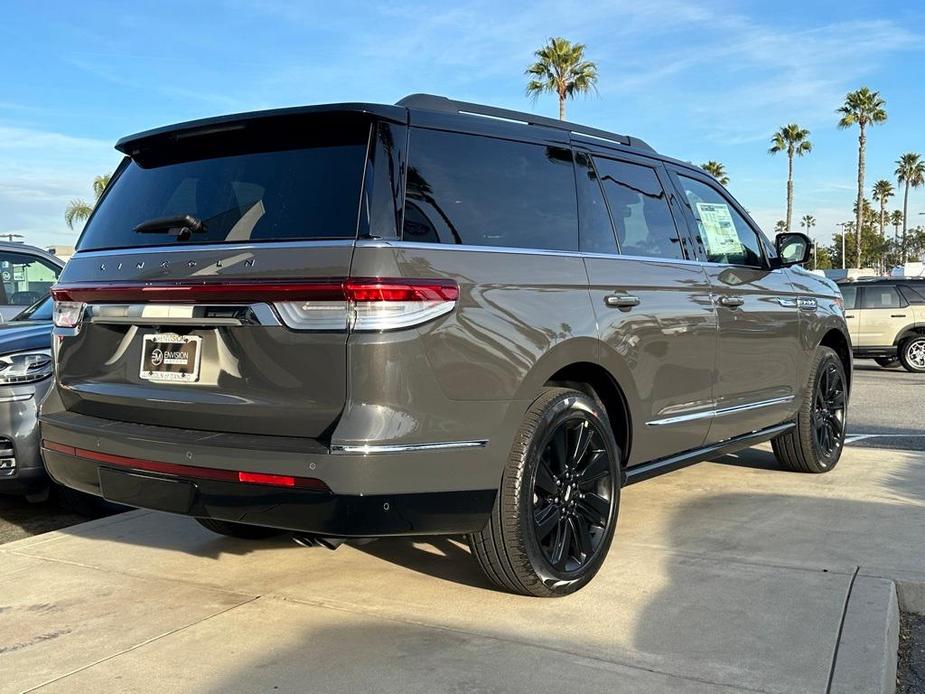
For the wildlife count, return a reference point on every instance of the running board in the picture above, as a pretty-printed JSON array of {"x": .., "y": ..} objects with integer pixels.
[{"x": 637, "y": 473}]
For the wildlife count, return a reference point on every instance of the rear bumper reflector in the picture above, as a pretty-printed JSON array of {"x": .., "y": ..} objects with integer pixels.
[{"x": 187, "y": 471}]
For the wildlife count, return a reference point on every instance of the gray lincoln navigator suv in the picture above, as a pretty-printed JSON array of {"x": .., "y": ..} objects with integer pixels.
[{"x": 359, "y": 320}]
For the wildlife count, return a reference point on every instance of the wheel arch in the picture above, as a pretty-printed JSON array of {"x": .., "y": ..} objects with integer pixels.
[
  {"x": 835, "y": 339},
  {"x": 913, "y": 330},
  {"x": 597, "y": 382}
]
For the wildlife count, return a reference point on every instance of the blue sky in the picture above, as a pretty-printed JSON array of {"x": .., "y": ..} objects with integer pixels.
[{"x": 698, "y": 80}]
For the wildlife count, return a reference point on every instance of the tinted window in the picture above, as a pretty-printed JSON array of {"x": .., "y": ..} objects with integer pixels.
[
  {"x": 241, "y": 190},
  {"x": 881, "y": 297},
  {"x": 487, "y": 192},
  {"x": 596, "y": 230},
  {"x": 849, "y": 294},
  {"x": 26, "y": 279},
  {"x": 639, "y": 207},
  {"x": 914, "y": 295},
  {"x": 725, "y": 235},
  {"x": 39, "y": 311}
]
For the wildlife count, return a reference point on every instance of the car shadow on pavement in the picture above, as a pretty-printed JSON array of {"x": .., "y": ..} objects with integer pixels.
[{"x": 446, "y": 558}]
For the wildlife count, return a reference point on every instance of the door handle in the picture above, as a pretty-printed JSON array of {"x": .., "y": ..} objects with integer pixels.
[
  {"x": 849, "y": 315},
  {"x": 731, "y": 301},
  {"x": 621, "y": 300},
  {"x": 898, "y": 315}
]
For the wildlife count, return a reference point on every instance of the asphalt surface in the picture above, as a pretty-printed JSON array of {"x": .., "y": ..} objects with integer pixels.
[{"x": 887, "y": 410}]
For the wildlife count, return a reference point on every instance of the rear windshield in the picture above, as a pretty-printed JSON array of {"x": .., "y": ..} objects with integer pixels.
[{"x": 248, "y": 184}]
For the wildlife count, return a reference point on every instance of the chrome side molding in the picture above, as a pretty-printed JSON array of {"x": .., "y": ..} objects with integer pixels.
[
  {"x": 370, "y": 449},
  {"x": 721, "y": 412}
]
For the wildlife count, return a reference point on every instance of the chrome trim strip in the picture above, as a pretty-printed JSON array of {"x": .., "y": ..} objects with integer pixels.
[
  {"x": 408, "y": 447},
  {"x": 722, "y": 412},
  {"x": 176, "y": 314},
  {"x": 417, "y": 245},
  {"x": 216, "y": 246},
  {"x": 19, "y": 397}
]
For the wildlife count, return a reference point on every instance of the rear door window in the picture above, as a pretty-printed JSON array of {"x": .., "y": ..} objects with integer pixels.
[
  {"x": 482, "y": 191},
  {"x": 262, "y": 186},
  {"x": 881, "y": 297},
  {"x": 640, "y": 211},
  {"x": 596, "y": 229},
  {"x": 725, "y": 235},
  {"x": 26, "y": 278}
]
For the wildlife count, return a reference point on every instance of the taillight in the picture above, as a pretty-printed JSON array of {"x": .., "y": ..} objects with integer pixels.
[
  {"x": 363, "y": 304},
  {"x": 67, "y": 314},
  {"x": 374, "y": 305}
]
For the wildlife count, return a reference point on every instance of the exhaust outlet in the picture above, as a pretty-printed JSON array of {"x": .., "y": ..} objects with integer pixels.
[{"x": 331, "y": 543}]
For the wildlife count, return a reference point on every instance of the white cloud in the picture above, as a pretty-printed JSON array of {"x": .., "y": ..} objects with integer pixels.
[{"x": 40, "y": 172}]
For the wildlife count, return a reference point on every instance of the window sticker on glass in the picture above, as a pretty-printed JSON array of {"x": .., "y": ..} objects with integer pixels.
[{"x": 718, "y": 229}]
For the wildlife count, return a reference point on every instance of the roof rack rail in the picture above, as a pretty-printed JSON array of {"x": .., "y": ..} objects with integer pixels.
[{"x": 432, "y": 102}]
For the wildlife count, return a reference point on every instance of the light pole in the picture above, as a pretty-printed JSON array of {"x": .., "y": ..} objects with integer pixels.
[{"x": 843, "y": 225}]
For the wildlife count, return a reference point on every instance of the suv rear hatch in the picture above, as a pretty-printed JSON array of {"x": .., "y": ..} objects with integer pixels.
[{"x": 207, "y": 291}]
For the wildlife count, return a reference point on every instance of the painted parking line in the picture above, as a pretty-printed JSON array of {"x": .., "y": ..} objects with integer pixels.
[{"x": 860, "y": 437}]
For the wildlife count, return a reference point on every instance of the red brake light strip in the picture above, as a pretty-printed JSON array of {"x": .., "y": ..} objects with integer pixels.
[{"x": 190, "y": 471}]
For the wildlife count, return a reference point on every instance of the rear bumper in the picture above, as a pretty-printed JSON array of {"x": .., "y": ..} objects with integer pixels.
[
  {"x": 300, "y": 510},
  {"x": 340, "y": 493}
]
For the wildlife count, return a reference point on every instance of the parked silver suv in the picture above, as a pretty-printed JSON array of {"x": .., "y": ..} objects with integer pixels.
[{"x": 359, "y": 320}]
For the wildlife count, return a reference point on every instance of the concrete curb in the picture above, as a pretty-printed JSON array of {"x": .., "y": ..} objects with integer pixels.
[
  {"x": 867, "y": 649},
  {"x": 910, "y": 587}
]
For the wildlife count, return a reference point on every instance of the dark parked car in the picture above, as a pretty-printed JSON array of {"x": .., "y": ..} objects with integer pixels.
[
  {"x": 25, "y": 377},
  {"x": 26, "y": 275},
  {"x": 359, "y": 320}
]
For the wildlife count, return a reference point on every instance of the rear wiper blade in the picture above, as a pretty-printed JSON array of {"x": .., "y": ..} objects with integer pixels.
[{"x": 183, "y": 225}]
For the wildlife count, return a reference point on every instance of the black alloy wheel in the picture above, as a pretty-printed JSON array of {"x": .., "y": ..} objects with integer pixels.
[
  {"x": 828, "y": 415},
  {"x": 572, "y": 492}
]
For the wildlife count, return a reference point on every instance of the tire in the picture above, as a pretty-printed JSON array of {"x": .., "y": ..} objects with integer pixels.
[
  {"x": 554, "y": 517},
  {"x": 816, "y": 443},
  {"x": 912, "y": 354},
  {"x": 887, "y": 362},
  {"x": 241, "y": 531}
]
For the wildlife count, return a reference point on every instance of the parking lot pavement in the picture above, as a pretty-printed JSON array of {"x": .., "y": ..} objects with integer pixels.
[
  {"x": 727, "y": 576},
  {"x": 887, "y": 408},
  {"x": 20, "y": 518}
]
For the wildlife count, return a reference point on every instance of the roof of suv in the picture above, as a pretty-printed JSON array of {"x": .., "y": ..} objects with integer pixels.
[
  {"x": 13, "y": 247},
  {"x": 398, "y": 113}
]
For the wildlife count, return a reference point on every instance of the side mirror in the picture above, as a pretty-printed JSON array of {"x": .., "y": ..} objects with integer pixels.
[{"x": 793, "y": 248}]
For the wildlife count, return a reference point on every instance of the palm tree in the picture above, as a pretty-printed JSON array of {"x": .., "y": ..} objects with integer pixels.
[
  {"x": 793, "y": 140},
  {"x": 883, "y": 191},
  {"x": 78, "y": 210},
  {"x": 808, "y": 222},
  {"x": 896, "y": 219},
  {"x": 561, "y": 68},
  {"x": 910, "y": 170},
  {"x": 780, "y": 227},
  {"x": 717, "y": 171},
  {"x": 861, "y": 108}
]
